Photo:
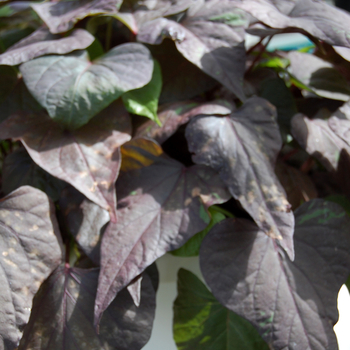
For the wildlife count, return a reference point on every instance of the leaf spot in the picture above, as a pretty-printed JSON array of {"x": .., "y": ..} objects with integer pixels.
[
  {"x": 34, "y": 228},
  {"x": 188, "y": 202},
  {"x": 11, "y": 263},
  {"x": 196, "y": 192}
]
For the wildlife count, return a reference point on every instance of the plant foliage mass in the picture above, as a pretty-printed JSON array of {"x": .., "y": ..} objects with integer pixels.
[{"x": 136, "y": 128}]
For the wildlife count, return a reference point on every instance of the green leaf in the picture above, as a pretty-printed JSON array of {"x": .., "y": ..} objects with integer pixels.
[
  {"x": 341, "y": 200},
  {"x": 95, "y": 50},
  {"x": 73, "y": 89},
  {"x": 191, "y": 247},
  {"x": 202, "y": 323},
  {"x": 144, "y": 101}
]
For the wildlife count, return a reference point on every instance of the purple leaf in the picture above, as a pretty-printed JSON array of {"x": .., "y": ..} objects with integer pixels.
[
  {"x": 62, "y": 315},
  {"x": 20, "y": 170},
  {"x": 182, "y": 80},
  {"x": 317, "y": 18},
  {"x": 30, "y": 250},
  {"x": 323, "y": 139},
  {"x": 42, "y": 42},
  {"x": 73, "y": 89},
  {"x": 320, "y": 76},
  {"x": 207, "y": 40},
  {"x": 249, "y": 141},
  {"x": 14, "y": 96},
  {"x": 88, "y": 158},
  {"x": 85, "y": 220},
  {"x": 298, "y": 185},
  {"x": 172, "y": 116},
  {"x": 161, "y": 204},
  {"x": 61, "y": 16},
  {"x": 292, "y": 304}
]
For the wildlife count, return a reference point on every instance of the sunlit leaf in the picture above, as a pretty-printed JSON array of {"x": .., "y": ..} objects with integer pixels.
[
  {"x": 62, "y": 315},
  {"x": 317, "y": 18},
  {"x": 61, "y": 16},
  {"x": 144, "y": 101},
  {"x": 293, "y": 305},
  {"x": 207, "y": 40},
  {"x": 161, "y": 204},
  {"x": 41, "y": 42},
  {"x": 320, "y": 76},
  {"x": 88, "y": 158},
  {"x": 172, "y": 116},
  {"x": 30, "y": 245},
  {"x": 245, "y": 155},
  {"x": 73, "y": 89}
]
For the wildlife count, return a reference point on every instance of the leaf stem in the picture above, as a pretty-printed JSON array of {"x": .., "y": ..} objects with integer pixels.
[
  {"x": 109, "y": 35},
  {"x": 256, "y": 59},
  {"x": 222, "y": 211}
]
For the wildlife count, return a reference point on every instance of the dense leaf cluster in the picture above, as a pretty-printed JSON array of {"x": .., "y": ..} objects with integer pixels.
[{"x": 244, "y": 160}]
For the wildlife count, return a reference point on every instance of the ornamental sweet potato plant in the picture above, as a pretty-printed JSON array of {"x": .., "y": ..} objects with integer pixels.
[{"x": 135, "y": 128}]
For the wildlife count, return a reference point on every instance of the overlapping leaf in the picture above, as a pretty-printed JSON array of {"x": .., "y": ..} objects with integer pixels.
[
  {"x": 88, "y": 158},
  {"x": 292, "y": 304},
  {"x": 84, "y": 220},
  {"x": 161, "y": 204},
  {"x": 42, "y": 42},
  {"x": 73, "y": 89},
  {"x": 210, "y": 36},
  {"x": 320, "y": 76},
  {"x": 243, "y": 149},
  {"x": 61, "y": 16},
  {"x": 182, "y": 80},
  {"x": 14, "y": 95},
  {"x": 191, "y": 247},
  {"x": 144, "y": 101},
  {"x": 172, "y": 116},
  {"x": 30, "y": 250},
  {"x": 317, "y": 18},
  {"x": 298, "y": 185},
  {"x": 20, "y": 170},
  {"x": 201, "y": 322},
  {"x": 62, "y": 315},
  {"x": 324, "y": 139}
]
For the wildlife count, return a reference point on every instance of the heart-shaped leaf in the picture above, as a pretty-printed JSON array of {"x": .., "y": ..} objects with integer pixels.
[
  {"x": 201, "y": 322},
  {"x": 249, "y": 141},
  {"x": 20, "y": 170},
  {"x": 161, "y": 204},
  {"x": 73, "y": 89},
  {"x": 207, "y": 39},
  {"x": 292, "y": 304},
  {"x": 62, "y": 315},
  {"x": 42, "y": 42},
  {"x": 172, "y": 116},
  {"x": 61, "y": 16},
  {"x": 30, "y": 246},
  {"x": 88, "y": 158},
  {"x": 317, "y": 18},
  {"x": 84, "y": 220}
]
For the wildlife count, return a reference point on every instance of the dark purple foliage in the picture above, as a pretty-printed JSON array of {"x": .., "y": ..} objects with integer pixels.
[{"x": 239, "y": 160}]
